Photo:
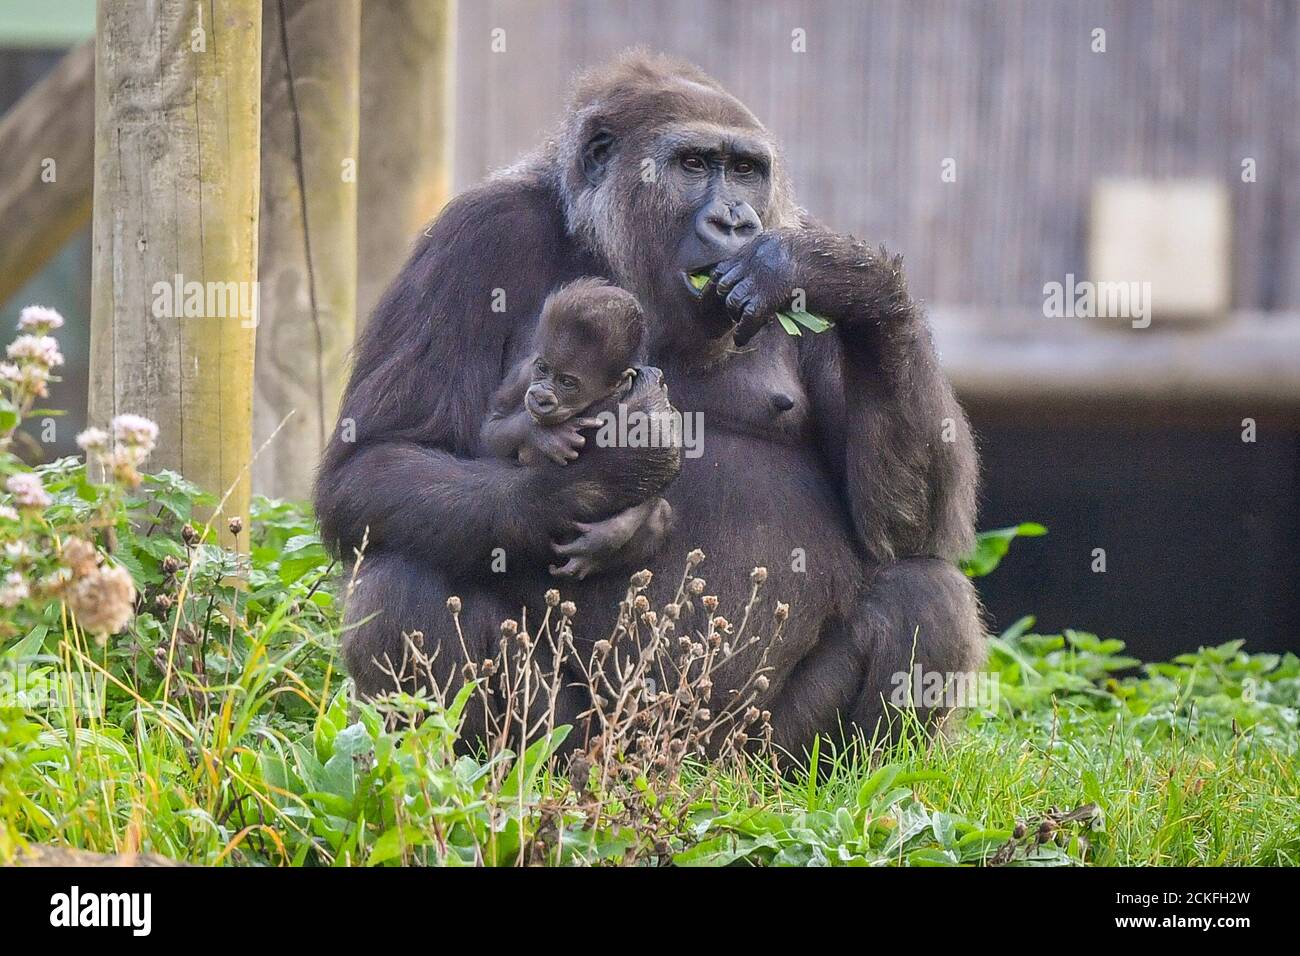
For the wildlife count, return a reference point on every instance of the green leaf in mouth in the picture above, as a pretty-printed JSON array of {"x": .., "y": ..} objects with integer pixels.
[{"x": 790, "y": 321}]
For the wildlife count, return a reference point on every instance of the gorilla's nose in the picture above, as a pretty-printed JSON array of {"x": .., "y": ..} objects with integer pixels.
[{"x": 727, "y": 226}]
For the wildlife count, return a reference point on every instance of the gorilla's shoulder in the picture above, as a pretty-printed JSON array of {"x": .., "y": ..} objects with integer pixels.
[{"x": 513, "y": 214}]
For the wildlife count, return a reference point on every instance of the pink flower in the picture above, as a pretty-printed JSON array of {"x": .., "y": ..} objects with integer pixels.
[
  {"x": 14, "y": 590},
  {"x": 93, "y": 439},
  {"x": 27, "y": 490},
  {"x": 39, "y": 319},
  {"x": 135, "y": 431}
]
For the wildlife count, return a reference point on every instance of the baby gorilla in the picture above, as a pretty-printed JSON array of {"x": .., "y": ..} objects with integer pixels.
[{"x": 584, "y": 353}]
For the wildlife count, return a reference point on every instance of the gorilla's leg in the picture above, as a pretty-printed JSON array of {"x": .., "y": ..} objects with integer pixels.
[
  {"x": 396, "y": 596},
  {"x": 920, "y": 614},
  {"x": 919, "y": 619}
]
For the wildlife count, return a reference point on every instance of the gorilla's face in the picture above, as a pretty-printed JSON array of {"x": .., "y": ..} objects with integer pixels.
[{"x": 673, "y": 182}]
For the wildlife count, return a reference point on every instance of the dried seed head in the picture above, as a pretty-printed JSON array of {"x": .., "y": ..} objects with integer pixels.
[
  {"x": 677, "y": 748},
  {"x": 453, "y": 604},
  {"x": 568, "y": 608},
  {"x": 163, "y": 602},
  {"x": 525, "y": 641},
  {"x": 1019, "y": 831},
  {"x": 642, "y": 603},
  {"x": 236, "y": 525},
  {"x": 672, "y": 611},
  {"x": 695, "y": 558},
  {"x": 552, "y": 598},
  {"x": 761, "y": 683},
  {"x": 488, "y": 667},
  {"x": 649, "y": 618},
  {"x": 741, "y": 738},
  {"x": 189, "y": 535},
  {"x": 782, "y": 611},
  {"x": 509, "y": 627},
  {"x": 710, "y": 602},
  {"x": 703, "y": 715},
  {"x": 695, "y": 587},
  {"x": 171, "y": 564},
  {"x": 758, "y": 575},
  {"x": 722, "y": 624},
  {"x": 468, "y": 671},
  {"x": 704, "y": 686},
  {"x": 751, "y": 715},
  {"x": 641, "y": 579},
  {"x": 766, "y": 716},
  {"x": 603, "y": 647}
]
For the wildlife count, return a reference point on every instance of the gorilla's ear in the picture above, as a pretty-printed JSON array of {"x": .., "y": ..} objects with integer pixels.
[{"x": 596, "y": 155}]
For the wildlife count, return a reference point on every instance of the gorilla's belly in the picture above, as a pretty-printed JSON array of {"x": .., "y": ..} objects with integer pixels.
[{"x": 752, "y": 503}]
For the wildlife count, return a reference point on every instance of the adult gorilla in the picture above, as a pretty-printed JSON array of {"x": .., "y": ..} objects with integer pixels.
[{"x": 839, "y": 461}]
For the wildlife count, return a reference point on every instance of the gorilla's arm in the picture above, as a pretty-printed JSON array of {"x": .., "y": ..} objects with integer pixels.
[
  {"x": 400, "y": 464},
  {"x": 909, "y": 464},
  {"x": 890, "y": 424},
  {"x": 507, "y": 423}
]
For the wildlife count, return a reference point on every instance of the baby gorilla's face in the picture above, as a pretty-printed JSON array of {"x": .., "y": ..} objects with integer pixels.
[{"x": 563, "y": 389}]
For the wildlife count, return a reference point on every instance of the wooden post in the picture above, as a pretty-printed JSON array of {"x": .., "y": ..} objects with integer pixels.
[
  {"x": 173, "y": 296},
  {"x": 407, "y": 119},
  {"x": 47, "y": 141},
  {"x": 310, "y": 96}
]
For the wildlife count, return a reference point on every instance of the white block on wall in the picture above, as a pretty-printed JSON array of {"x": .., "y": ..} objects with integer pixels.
[{"x": 1174, "y": 234}]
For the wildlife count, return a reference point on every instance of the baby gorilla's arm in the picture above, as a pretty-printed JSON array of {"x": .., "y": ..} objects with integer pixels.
[
  {"x": 505, "y": 434},
  {"x": 560, "y": 442}
]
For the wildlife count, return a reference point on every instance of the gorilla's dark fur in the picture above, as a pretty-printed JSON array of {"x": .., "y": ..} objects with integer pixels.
[{"x": 846, "y": 449}]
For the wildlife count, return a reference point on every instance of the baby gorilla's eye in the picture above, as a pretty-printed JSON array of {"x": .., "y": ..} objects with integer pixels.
[
  {"x": 542, "y": 367},
  {"x": 567, "y": 382},
  {"x": 693, "y": 163}
]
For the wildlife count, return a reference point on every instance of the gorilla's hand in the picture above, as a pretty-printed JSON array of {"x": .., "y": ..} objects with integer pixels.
[
  {"x": 759, "y": 281},
  {"x": 631, "y": 535},
  {"x": 560, "y": 443}
]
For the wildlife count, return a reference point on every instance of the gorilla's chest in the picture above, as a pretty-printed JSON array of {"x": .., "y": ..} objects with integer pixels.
[{"x": 756, "y": 392}]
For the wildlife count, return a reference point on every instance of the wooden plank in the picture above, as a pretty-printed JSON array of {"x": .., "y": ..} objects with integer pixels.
[
  {"x": 407, "y": 116},
  {"x": 995, "y": 355},
  {"x": 45, "y": 196},
  {"x": 176, "y": 202},
  {"x": 308, "y": 234}
]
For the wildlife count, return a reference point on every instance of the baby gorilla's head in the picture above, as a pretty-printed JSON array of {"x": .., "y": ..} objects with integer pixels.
[{"x": 586, "y": 346}]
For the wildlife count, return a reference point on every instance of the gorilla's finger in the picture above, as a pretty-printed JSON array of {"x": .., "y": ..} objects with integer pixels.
[
  {"x": 589, "y": 423},
  {"x": 572, "y": 547},
  {"x": 730, "y": 278},
  {"x": 749, "y": 325},
  {"x": 736, "y": 300},
  {"x": 569, "y": 568}
]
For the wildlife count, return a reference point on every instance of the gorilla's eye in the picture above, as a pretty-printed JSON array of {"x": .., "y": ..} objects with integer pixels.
[
  {"x": 542, "y": 367},
  {"x": 567, "y": 382},
  {"x": 694, "y": 163},
  {"x": 744, "y": 168}
]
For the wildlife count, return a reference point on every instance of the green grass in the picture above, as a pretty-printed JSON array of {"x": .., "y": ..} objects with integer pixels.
[{"x": 220, "y": 731}]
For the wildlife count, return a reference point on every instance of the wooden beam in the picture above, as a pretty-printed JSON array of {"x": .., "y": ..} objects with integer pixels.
[
  {"x": 48, "y": 146},
  {"x": 308, "y": 268},
  {"x": 1021, "y": 359},
  {"x": 407, "y": 124},
  {"x": 173, "y": 314}
]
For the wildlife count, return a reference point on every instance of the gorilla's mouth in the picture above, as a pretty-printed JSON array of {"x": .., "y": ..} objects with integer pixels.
[{"x": 697, "y": 280}]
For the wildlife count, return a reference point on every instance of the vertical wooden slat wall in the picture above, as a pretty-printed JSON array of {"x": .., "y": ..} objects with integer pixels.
[{"x": 1010, "y": 89}]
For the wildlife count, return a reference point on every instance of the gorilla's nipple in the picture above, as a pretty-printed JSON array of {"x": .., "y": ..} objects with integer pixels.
[{"x": 782, "y": 402}]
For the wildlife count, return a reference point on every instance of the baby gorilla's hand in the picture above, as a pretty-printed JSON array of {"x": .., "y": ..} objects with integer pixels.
[{"x": 561, "y": 443}]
